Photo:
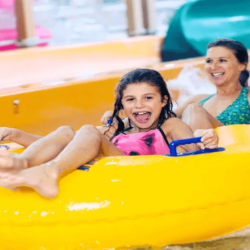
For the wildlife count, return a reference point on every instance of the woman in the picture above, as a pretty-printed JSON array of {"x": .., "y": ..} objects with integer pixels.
[
  {"x": 226, "y": 63},
  {"x": 226, "y": 66}
]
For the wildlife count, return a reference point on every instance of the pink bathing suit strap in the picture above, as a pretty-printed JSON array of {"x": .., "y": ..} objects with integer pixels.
[{"x": 120, "y": 132}]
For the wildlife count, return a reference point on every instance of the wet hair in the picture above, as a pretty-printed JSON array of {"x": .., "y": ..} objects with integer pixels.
[
  {"x": 138, "y": 76},
  {"x": 239, "y": 51}
]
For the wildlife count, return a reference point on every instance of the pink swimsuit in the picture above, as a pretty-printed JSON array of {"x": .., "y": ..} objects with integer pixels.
[{"x": 153, "y": 142}]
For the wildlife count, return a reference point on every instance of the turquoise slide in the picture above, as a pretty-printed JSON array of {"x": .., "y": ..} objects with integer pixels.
[{"x": 198, "y": 22}]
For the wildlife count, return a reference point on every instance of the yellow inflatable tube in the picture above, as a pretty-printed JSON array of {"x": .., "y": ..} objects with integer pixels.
[{"x": 136, "y": 201}]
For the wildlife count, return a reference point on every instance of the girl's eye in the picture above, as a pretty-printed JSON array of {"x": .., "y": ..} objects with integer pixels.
[
  {"x": 208, "y": 61},
  {"x": 148, "y": 97},
  {"x": 130, "y": 99},
  {"x": 222, "y": 60}
]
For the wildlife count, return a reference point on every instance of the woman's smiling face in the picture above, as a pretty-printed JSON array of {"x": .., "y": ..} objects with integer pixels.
[
  {"x": 142, "y": 104},
  {"x": 222, "y": 66}
]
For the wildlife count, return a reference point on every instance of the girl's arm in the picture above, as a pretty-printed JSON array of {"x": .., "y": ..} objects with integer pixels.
[
  {"x": 108, "y": 114},
  {"x": 17, "y": 136},
  {"x": 176, "y": 129}
]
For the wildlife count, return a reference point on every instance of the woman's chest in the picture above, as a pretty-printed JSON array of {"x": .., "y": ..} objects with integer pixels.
[{"x": 217, "y": 105}]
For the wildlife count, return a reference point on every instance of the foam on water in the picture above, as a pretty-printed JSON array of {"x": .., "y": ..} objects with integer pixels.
[{"x": 191, "y": 81}]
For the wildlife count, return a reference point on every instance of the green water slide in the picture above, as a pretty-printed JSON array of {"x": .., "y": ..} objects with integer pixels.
[{"x": 198, "y": 22}]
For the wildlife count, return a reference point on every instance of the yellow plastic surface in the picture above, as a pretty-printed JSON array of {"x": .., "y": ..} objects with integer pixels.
[{"x": 136, "y": 201}]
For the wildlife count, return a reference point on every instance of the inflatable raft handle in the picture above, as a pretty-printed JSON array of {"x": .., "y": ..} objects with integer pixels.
[
  {"x": 5, "y": 146},
  {"x": 108, "y": 121},
  {"x": 173, "y": 145}
]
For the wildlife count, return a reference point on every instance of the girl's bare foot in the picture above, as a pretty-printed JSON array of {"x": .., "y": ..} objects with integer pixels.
[
  {"x": 43, "y": 178},
  {"x": 11, "y": 163}
]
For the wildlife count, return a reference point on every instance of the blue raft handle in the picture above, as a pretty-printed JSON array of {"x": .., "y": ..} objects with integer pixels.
[
  {"x": 4, "y": 146},
  {"x": 175, "y": 143},
  {"x": 84, "y": 168},
  {"x": 107, "y": 124}
]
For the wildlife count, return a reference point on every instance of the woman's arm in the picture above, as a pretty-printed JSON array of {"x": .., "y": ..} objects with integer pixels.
[
  {"x": 175, "y": 129},
  {"x": 18, "y": 136},
  {"x": 248, "y": 94}
]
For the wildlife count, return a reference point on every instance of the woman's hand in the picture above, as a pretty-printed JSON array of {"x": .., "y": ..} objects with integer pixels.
[{"x": 210, "y": 138}]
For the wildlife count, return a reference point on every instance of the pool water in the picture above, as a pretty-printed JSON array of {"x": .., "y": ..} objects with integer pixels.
[{"x": 236, "y": 241}]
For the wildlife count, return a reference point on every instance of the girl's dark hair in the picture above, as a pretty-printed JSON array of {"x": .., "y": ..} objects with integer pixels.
[
  {"x": 138, "y": 76},
  {"x": 239, "y": 51}
]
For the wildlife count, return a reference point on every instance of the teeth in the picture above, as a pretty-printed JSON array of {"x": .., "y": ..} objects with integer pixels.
[
  {"x": 217, "y": 74},
  {"x": 142, "y": 113}
]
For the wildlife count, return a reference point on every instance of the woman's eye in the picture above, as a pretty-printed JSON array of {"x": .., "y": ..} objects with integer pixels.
[
  {"x": 130, "y": 99},
  {"x": 222, "y": 60},
  {"x": 208, "y": 61},
  {"x": 148, "y": 97}
]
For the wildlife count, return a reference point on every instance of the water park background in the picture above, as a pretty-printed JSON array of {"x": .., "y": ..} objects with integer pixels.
[{"x": 86, "y": 20}]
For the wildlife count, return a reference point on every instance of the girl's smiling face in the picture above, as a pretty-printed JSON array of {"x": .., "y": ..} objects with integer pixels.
[
  {"x": 142, "y": 104},
  {"x": 222, "y": 66}
]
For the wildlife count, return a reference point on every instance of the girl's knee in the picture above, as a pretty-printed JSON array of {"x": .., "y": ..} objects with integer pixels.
[
  {"x": 195, "y": 108},
  {"x": 91, "y": 130},
  {"x": 66, "y": 131}
]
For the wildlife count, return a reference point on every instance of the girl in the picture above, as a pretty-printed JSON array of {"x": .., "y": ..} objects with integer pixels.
[{"x": 143, "y": 96}]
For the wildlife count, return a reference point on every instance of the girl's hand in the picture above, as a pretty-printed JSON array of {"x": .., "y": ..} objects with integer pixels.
[
  {"x": 210, "y": 138},
  {"x": 106, "y": 116},
  {"x": 5, "y": 133}
]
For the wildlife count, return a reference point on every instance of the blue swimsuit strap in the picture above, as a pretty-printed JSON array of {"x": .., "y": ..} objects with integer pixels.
[{"x": 205, "y": 99}]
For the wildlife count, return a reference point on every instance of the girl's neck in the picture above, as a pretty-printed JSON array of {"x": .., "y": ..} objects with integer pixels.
[
  {"x": 227, "y": 90},
  {"x": 140, "y": 130}
]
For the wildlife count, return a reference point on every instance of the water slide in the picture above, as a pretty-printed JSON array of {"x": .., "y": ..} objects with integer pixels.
[{"x": 198, "y": 22}]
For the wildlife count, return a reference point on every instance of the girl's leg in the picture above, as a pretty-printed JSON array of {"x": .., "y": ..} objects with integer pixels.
[
  {"x": 198, "y": 118},
  {"x": 41, "y": 151},
  {"x": 85, "y": 146}
]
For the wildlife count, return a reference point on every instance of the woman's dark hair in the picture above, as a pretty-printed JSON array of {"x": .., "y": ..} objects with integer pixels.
[
  {"x": 239, "y": 51},
  {"x": 138, "y": 76}
]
